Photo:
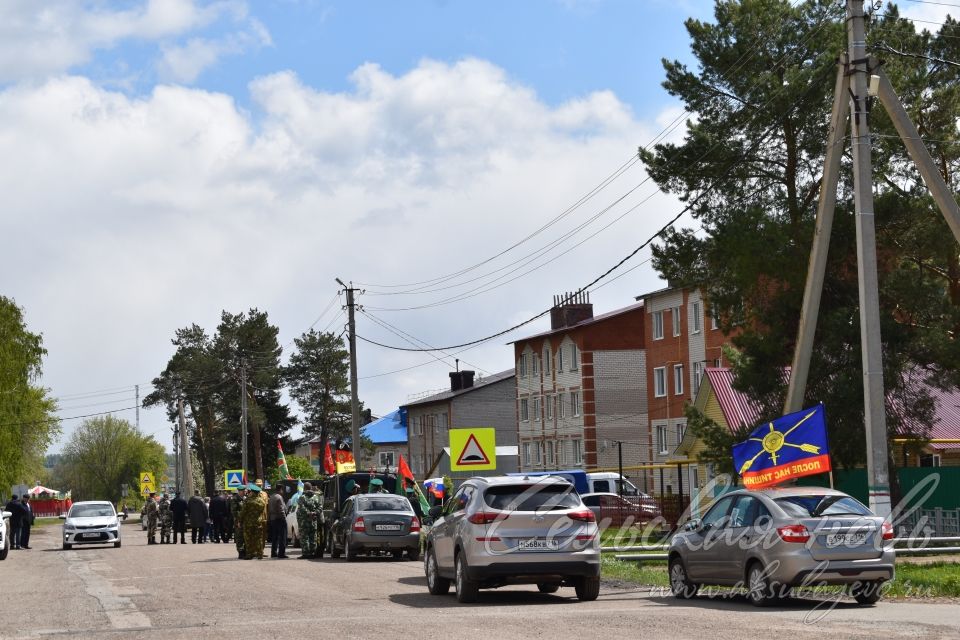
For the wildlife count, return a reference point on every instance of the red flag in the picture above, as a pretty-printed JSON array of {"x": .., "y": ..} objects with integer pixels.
[
  {"x": 329, "y": 466},
  {"x": 404, "y": 469}
]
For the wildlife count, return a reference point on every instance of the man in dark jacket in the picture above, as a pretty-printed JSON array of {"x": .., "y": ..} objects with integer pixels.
[
  {"x": 27, "y": 522},
  {"x": 277, "y": 521},
  {"x": 198, "y": 517},
  {"x": 16, "y": 518},
  {"x": 178, "y": 507},
  {"x": 218, "y": 513}
]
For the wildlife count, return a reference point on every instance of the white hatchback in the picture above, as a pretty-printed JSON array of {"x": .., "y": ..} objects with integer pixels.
[{"x": 93, "y": 522}]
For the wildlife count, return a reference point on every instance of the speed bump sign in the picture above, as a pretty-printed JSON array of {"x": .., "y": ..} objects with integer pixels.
[{"x": 473, "y": 449}]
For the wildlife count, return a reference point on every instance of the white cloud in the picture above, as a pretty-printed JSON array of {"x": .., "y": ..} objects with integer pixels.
[
  {"x": 132, "y": 217},
  {"x": 39, "y": 39}
]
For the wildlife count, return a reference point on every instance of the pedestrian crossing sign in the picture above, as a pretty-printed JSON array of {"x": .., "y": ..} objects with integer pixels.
[
  {"x": 473, "y": 449},
  {"x": 233, "y": 479}
]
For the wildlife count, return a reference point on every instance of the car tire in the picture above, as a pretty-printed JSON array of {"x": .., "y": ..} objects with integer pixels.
[
  {"x": 397, "y": 554},
  {"x": 437, "y": 584},
  {"x": 116, "y": 545},
  {"x": 548, "y": 587},
  {"x": 866, "y": 593},
  {"x": 67, "y": 546},
  {"x": 467, "y": 590},
  {"x": 680, "y": 583},
  {"x": 588, "y": 588},
  {"x": 413, "y": 554},
  {"x": 6, "y": 543},
  {"x": 760, "y": 589},
  {"x": 349, "y": 550}
]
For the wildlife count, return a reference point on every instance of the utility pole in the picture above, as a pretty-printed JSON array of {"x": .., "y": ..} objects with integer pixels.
[
  {"x": 620, "y": 464},
  {"x": 136, "y": 391},
  {"x": 243, "y": 419},
  {"x": 185, "y": 452},
  {"x": 354, "y": 400},
  {"x": 176, "y": 459}
]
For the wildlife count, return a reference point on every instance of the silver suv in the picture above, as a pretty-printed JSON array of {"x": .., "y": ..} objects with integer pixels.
[{"x": 513, "y": 530}]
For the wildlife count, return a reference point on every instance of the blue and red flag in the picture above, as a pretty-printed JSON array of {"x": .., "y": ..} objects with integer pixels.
[{"x": 792, "y": 446}]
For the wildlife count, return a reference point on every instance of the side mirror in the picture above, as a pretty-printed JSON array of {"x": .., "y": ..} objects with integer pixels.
[
  {"x": 435, "y": 511},
  {"x": 694, "y": 525}
]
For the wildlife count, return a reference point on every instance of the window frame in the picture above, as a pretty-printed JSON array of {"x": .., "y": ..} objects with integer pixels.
[
  {"x": 659, "y": 382},
  {"x": 536, "y": 408},
  {"x": 661, "y": 432},
  {"x": 561, "y": 405},
  {"x": 696, "y": 313},
  {"x": 675, "y": 314},
  {"x": 577, "y": 450},
  {"x": 526, "y": 454},
  {"x": 547, "y": 407},
  {"x": 678, "y": 379},
  {"x": 393, "y": 458},
  {"x": 575, "y": 408},
  {"x": 524, "y": 410},
  {"x": 657, "y": 327},
  {"x": 574, "y": 357}
]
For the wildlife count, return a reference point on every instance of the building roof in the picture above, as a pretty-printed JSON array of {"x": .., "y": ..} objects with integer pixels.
[
  {"x": 448, "y": 395},
  {"x": 386, "y": 430},
  {"x": 584, "y": 323},
  {"x": 666, "y": 289}
]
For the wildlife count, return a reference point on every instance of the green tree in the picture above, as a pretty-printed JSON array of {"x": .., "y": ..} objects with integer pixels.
[
  {"x": 105, "y": 453},
  {"x": 27, "y": 423},
  {"x": 318, "y": 377},
  {"x": 750, "y": 168},
  {"x": 299, "y": 468}
]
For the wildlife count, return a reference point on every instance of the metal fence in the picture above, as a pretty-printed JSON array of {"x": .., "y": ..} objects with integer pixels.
[{"x": 930, "y": 522}]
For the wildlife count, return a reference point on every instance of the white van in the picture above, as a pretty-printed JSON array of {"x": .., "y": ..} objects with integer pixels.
[{"x": 606, "y": 482}]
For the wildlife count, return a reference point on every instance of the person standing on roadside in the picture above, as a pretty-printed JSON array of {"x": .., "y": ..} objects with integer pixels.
[
  {"x": 308, "y": 522},
  {"x": 236, "y": 504},
  {"x": 198, "y": 517},
  {"x": 253, "y": 515},
  {"x": 152, "y": 512},
  {"x": 218, "y": 513},
  {"x": 166, "y": 518},
  {"x": 27, "y": 521},
  {"x": 15, "y": 507},
  {"x": 179, "y": 508},
  {"x": 277, "y": 519}
]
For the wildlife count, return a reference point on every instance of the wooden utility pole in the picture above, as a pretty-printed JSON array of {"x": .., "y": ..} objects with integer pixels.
[
  {"x": 185, "y": 453},
  {"x": 354, "y": 397},
  {"x": 243, "y": 420}
]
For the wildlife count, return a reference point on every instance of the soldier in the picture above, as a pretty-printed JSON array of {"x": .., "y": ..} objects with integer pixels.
[
  {"x": 236, "y": 504},
  {"x": 376, "y": 486},
  {"x": 309, "y": 521},
  {"x": 253, "y": 516},
  {"x": 151, "y": 511},
  {"x": 166, "y": 519}
]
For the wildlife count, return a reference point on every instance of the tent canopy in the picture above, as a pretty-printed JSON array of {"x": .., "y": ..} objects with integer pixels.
[{"x": 37, "y": 490}]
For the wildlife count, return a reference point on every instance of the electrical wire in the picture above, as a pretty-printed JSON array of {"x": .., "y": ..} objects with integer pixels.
[{"x": 50, "y": 420}]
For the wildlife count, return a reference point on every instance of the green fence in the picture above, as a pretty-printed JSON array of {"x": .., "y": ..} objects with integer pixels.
[{"x": 854, "y": 481}]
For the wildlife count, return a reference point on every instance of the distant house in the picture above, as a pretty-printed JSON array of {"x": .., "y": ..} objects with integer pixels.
[
  {"x": 389, "y": 437},
  {"x": 484, "y": 402}
]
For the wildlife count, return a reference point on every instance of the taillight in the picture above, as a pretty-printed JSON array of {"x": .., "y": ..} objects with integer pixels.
[
  {"x": 586, "y": 538},
  {"x": 794, "y": 533},
  {"x": 582, "y": 516},
  {"x": 358, "y": 525},
  {"x": 486, "y": 517},
  {"x": 415, "y": 526},
  {"x": 887, "y": 530}
]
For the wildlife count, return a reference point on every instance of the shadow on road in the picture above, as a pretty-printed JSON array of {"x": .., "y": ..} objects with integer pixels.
[
  {"x": 488, "y": 598},
  {"x": 413, "y": 581},
  {"x": 739, "y": 602}
]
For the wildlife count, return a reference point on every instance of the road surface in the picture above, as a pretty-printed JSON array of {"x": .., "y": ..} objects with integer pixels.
[{"x": 203, "y": 591}]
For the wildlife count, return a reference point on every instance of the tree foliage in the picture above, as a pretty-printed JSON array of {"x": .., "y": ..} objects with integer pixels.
[
  {"x": 27, "y": 423},
  {"x": 750, "y": 167},
  {"x": 105, "y": 453}
]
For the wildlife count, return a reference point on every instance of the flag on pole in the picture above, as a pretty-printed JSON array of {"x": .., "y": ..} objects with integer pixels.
[
  {"x": 329, "y": 466},
  {"x": 404, "y": 469},
  {"x": 344, "y": 459},
  {"x": 282, "y": 462},
  {"x": 791, "y": 446}
]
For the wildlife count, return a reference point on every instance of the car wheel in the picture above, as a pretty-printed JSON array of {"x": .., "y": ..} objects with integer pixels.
[
  {"x": 6, "y": 544},
  {"x": 349, "y": 550},
  {"x": 588, "y": 588},
  {"x": 680, "y": 584},
  {"x": 67, "y": 546},
  {"x": 548, "y": 587},
  {"x": 437, "y": 584},
  {"x": 414, "y": 554},
  {"x": 866, "y": 593},
  {"x": 467, "y": 590},
  {"x": 397, "y": 554},
  {"x": 116, "y": 545},
  {"x": 760, "y": 589}
]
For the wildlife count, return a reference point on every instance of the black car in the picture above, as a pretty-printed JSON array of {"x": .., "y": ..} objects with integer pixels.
[{"x": 375, "y": 522}]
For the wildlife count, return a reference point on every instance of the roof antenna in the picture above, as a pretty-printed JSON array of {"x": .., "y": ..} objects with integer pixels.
[{"x": 457, "y": 360}]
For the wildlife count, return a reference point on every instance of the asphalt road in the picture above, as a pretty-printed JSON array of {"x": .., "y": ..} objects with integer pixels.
[{"x": 203, "y": 591}]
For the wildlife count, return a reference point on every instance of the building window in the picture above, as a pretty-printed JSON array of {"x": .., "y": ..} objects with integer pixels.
[
  {"x": 714, "y": 323},
  {"x": 443, "y": 421},
  {"x": 548, "y": 407},
  {"x": 538, "y": 453},
  {"x": 524, "y": 410},
  {"x": 574, "y": 357},
  {"x": 659, "y": 382},
  {"x": 577, "y": 451},
  {"x": 536, "y": 364},
  {"x": 676, "y": 321},
  {"x": 387, "y": 459},
  {"x": 418, "y": 426},
  {"x": 560, "y": 359},
  {"x": 550, "y": 452},
  {"x": 678, "y": 379},
  {"x": 561, "y": 446},
  {"x": 536, "y": 408},
  {"x": 546, "y": 361},
  {"x": 526, "y": 453},
  {"x": 561, "y": 406},
  {"x": 574, "y": 403},
  {"x": 697, "y": 375},
  {"x": 662, "y": 439},
  {"x": 717, "y": 363},
  {"x": 523, "y": 365},
  {"x": 681, "y": 429},
  {"x": 435, "y": 419},
  {"x": 697, "y": 318},
  {"x": 658, "y": 325},
  {"x": 930, "y": 460}
]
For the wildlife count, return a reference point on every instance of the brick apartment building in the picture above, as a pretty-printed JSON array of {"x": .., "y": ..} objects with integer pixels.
[{"x": 581, "y": 387}]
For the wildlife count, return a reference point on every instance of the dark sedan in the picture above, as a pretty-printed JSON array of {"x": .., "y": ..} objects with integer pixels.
[{"x": 376, "y": 522}]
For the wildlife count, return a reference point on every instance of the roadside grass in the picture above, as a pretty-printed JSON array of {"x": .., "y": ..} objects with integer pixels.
[
  {"x": 46, "y": 522},
  {"x": 935, "y": 580},
  {"x": 629, "y": 536}
]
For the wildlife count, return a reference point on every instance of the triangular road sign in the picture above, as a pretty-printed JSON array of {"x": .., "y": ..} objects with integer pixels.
[
  {"x": 473, "y": 453},
  {"x": 234, "y": 480},
  {"x": 146, "y": 479}
]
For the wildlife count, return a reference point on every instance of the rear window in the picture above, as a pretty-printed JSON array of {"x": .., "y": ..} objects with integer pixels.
[
  {"x": 91, "y": 511},
  {"x": 383, "y": 504},
  {"x": 531, "y": 497},
  {"x": 820, "y": 506}
]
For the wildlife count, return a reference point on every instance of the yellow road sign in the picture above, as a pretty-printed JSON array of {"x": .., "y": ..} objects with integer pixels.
[
  {"x": 473, "y": 449},
  {"x": 146, "y": 489},
  {"x": 146, "y": 477}
]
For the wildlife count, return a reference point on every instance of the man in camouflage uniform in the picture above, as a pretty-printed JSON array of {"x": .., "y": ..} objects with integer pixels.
[
  {"x": 309, "y": 522},
  {"x": 253, "y": 516},
  {"x": 166, "y": 519},
  {"x": 151, "y": 511},
  {"x": 236, "y": 504}
]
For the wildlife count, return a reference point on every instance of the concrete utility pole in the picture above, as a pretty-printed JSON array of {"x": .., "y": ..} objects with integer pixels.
[
  {"x": 861, "y": 77},
  {"x": 136, "y": 391},
  {"x": 185, "y": 453},
  {"x": 354, "y": 399},
  {"x": 176, "y": 459},
  {"x": 243, "y": 419}
]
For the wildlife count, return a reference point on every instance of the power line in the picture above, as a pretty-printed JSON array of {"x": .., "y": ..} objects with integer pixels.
[
  {"x": 49, "y": 420},
  {"x": 907, "y": 54}
]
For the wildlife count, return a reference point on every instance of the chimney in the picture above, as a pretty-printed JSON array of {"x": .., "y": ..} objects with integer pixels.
[
  {"x": 570, "y": 309},
  {"x": 460, "y": 380}
]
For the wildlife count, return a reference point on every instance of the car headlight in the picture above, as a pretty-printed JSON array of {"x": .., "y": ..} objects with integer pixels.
[{"x": 69, "y": 527}]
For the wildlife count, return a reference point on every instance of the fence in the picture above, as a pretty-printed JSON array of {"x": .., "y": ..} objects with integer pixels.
[{"x": 933, "y": 522}]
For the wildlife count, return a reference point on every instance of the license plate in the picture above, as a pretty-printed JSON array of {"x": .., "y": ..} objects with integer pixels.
[
  {"x": 89, "y": 535},
  {"x": 846, "y": 539},
  {"x": 536, "y": 544},
  {"x": 387, "y": 527}
]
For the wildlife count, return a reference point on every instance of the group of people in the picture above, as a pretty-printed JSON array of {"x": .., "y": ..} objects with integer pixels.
[
  {"x": 209, "y": 519},
  {"x": 21, "y": 519}
]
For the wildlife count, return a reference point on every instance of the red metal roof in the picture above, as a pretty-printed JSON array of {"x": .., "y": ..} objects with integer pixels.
[{"x": 583, "y": 323}]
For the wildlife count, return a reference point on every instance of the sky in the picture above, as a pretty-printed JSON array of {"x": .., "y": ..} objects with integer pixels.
[{"x": 462, "y": 162}]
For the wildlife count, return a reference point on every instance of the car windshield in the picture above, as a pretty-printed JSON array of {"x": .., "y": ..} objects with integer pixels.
[
  {"x": 531, "y": 497},
  {"x": 821, "y": 506},
  {"x": 383, "y": 504},
  {"x": 91, "y": 511}
]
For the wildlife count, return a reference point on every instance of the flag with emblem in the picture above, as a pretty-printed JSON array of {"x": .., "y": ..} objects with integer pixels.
[{"x": 282, "y": 462}]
